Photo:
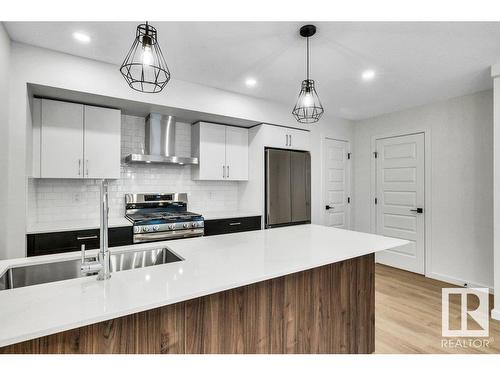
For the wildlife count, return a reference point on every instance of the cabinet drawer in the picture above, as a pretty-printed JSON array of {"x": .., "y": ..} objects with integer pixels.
[
  {"x": 232, "y": 225},
  {"x": 64, "y": 242}
]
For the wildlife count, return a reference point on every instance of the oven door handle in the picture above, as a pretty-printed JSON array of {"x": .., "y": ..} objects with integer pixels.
[{"x": 158, "y": 236}]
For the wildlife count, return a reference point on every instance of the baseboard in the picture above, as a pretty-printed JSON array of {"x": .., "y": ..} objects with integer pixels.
[
  {"x": 495, "y": 314},
  {"x": 454, "y": 281}
]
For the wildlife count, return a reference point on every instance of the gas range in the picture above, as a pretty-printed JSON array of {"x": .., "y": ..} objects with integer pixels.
[{"x": 161, "y": 216}]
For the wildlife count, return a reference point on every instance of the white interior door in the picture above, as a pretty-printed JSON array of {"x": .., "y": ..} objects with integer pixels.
[
  {"x": 336, "y": 180},
  {"x": 236, "y": 153},
  {"x": 400, "y": 172},
  {"x": 102, "y": 142}
]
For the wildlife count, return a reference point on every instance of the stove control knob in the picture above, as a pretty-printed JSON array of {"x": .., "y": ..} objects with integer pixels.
[
  {"x": 171, "y": 226},
  {"x": 185, "y": 225},
  {"x": 194, "y": 224},
  {"x": 156, "y": 228}
]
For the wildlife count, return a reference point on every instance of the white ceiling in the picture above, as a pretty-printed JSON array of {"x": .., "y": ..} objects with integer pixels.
[{"x": 416, "y": 63}]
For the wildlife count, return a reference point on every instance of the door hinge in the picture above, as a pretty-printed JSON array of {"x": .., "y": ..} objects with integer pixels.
[
  {"x": 348, "y": 155},
  {"x": 348, "y": 199},
  {"x": 376, "y": 201},
  {"x": 375, "y": 154}
]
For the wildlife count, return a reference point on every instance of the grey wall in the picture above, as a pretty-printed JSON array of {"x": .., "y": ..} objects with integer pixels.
[
  {"x": 4, "y": 128},
  {"x": 461, "y": 165}
]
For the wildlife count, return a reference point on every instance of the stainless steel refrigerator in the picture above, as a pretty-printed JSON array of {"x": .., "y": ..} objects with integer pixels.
[{"x": 288, "y": 187}]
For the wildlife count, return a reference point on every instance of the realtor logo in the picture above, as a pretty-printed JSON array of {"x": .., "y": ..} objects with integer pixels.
[{"x": 480, "y": 315}]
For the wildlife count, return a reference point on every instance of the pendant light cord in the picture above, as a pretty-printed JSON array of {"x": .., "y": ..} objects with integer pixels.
[{"x": 307, "y": 64}]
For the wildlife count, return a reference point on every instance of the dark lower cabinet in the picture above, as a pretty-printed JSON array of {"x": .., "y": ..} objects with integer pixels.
[
  {"x": 63, "y": 242},
  {"x": 240, "y": 224}
]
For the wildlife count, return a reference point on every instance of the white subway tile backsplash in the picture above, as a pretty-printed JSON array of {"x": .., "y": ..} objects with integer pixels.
[{"x": 52, "y": 200}]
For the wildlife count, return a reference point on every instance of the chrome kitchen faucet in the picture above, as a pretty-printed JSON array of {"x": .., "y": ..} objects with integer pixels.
[{"x": 102, "y": 264}]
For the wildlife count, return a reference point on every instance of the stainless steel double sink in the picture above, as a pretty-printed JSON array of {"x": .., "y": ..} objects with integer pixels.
[{"x": 17, "y": 277}]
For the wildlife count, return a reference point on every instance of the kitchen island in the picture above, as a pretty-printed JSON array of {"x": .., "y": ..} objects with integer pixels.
[{"x": 299, "y": 289}]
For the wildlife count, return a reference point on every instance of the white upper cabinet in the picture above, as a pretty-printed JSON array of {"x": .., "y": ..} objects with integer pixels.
[
  {"x": 298, "y": 139},
  {"x": 75, "y": 141},
  {"x": 281, "y": 137},
  {"x": 61, "y": 144},
  {"x": 222, "y": 152},
  {"x": 102, "y": 142},
  {"x": 236, "y": 153},
  {"x": 209, "y": 146}
]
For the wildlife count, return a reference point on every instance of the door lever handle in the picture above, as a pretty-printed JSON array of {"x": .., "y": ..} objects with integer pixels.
[
  {"x": 327, "y": 207},
  {"x": 418, "y": 210}
]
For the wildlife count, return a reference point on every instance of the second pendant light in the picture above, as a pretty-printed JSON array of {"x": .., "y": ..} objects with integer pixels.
[{"x": 308, "y": 108}]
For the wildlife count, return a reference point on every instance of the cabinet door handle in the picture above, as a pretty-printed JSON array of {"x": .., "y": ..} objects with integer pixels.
[
  {"x": 86, "y": 238},
  {"x": 87, "y": 167},
  {"x": 79, "y": 166},
  {"x": 286, "y": 140},
  {"x": 290, "y": 143},
  {"x": 223, "y": 172},
  {"x": 227, "y": 171},
  {"x": 237, "y": 223}
]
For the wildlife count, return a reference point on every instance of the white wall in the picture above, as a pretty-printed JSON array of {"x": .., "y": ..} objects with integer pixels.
[
  {"x": 461, "y": 162},
  {"x": 4, "y": 129},
  {"x": 49, "y": 68}
]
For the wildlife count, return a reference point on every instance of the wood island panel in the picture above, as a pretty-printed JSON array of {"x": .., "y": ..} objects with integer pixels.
[{"x": 329, "y": 309}]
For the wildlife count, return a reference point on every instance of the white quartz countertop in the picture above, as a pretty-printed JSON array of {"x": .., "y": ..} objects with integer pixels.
[
  {"x": 211, "y": 264},
  {"x": 67, "y": 225}
]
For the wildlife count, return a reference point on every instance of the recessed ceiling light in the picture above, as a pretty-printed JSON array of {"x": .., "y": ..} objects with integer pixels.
[
  {"x": 81, "y": 37},
  {"x": 251, "y": 82},
  {"x": 368, "y": 75}
]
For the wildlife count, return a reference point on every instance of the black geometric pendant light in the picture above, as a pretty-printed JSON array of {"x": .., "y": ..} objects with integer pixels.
[
  {"x": 308, "y": 108},
  {"x": 144, "y": 67}
]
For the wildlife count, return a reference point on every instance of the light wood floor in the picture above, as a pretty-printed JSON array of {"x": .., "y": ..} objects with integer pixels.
[{"x": 408, "y": 315}]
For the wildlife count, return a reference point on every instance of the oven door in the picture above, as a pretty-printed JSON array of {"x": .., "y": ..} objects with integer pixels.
[{"x": 167, "y": 235}]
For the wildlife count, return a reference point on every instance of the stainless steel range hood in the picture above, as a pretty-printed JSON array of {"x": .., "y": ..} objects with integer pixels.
[{"x": 160, "y": 143}]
